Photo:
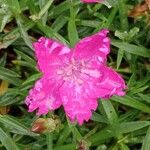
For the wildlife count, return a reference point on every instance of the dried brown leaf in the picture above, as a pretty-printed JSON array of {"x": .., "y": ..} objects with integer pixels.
[{"x": 139, "y": 10}]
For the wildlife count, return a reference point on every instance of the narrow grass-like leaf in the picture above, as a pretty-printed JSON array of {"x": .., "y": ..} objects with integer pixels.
[
  {"x": 13, "y": 80},
  {"x": 74, "y": 130},
  {"x": 49, "y": 32},
  {"x": 131, "y": 102},
  {"x": 24, "y": 63},
  {"x": 9, "y": 97},
  {"x": 66, "y": 147},
  {"x": 59, "y": 9},
  {"x": 44, "y": 18},
  {"x": 23, "y": 32},
  {"x": 26, "y": 57},
  {"x": 123, "y": 15},
  {"x": 4, "y": 19},
  {"x": 72, "y": 30},
  {"x": 133, "y": 49},
  {"x": 13, "y": 5},
  {"x": 63, "y": 135},
  {"x": 12, "y": 36},
  {"x": 32, "y": 78},
  {"x": 132, "y": 126},
  {"x": 99, "y": 118},
  {"x": 3, "y": 60},
  {"x": 100, "y": 136},
  {"x": 146, "y": 141},
  {"x": 45, "y": 8},
  {"x": 145, "y": 97},
  {"x": 119, "y": 57},
  {"x": 128, "y": 116},
  {"x": 123, "y": 146},
  {"x": 59, "y": 22},
  {"x": 8, "y": 72},
  {"x": 111, "y": 17},
  {"x": 5, "y": 74},
  {"x": 7, "y": 141},
  {"x": 110, "y": 111},
  {"x": 89, "y": 23},
  {"x": 15, "y": 125}
]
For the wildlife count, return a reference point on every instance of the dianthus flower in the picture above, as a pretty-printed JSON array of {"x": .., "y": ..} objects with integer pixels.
[
  {"x": 92, "y": 1},
  {"x": 74, "y": 77}
]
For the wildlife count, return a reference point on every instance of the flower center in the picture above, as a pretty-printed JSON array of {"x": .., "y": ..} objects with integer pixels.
[{"x": 77, "y": 71}]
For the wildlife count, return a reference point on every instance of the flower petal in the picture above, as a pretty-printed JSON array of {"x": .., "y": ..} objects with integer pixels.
[
  {"x": 44, "y": 96},
  {"x": 111, "y": 83},
  {"x": 76, "y": 106},
  {"x": 50, "y": 53},
  {"x": 96, "y": 46}
]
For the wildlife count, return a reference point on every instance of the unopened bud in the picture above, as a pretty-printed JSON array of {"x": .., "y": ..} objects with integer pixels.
[
  {"x": 83, "y": 145},
  {"x": 45, "y": 125}
]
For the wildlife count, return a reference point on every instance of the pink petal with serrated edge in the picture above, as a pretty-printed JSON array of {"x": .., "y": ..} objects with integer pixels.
[
  {"x": 111, "y": 83},
  {"x": 77, "y": 106},
  {"x": 50, "y": 55},
  {"x": 44, "y": 96},
  {"x": 96, "y": 46}
]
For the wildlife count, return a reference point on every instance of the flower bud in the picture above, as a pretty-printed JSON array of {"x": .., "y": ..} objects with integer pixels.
[
  {"x": 83, "y": 145},
  {"x": 45, "y": 125}
]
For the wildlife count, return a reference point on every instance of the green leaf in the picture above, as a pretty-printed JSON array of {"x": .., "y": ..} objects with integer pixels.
[
  {"x": 23, "y": 32},
  {"x": 59, "y": 9},
  {"x": 13, "y": 35},
  {"x": 3, "y": 21},
  {"x": 45, "y": 8},
  {"x": 123, "y": 146},
  {"x": 24, "y": 63},
  {"x": 99, "y": 118},
  {"x": 101, "y": 136},
  {"x": 49, "y": 32},
  {"x": 10, "y": 76},
  {"x": 42, "y": 3},
  {"x": 110, "y": 111},
  {"x": 63, "y": 135},
  {"x": 26, "y": 57},
  {"x": 129, "y": 101},
  {"x": 123, "y": 15},
  {"x": 32, "y": 78},
  {"x": 74, "y": 130},
  {"x": 146, "y": 141},
  {"x": 8, "y": 72},
  {"x": 132, "y": 126},
  {"x": 10, "y": 97},
  {"x": 15, "y": 125},
  {"x": 66, "y": 147},
  {"x": 7, "y": 141},
  {"x": 3, "y": 60},
  {"x": 59, "y": 22},
  {"x": 133, "y": 49},
  {"x": 13, "y": 5},
  {"x": 145, "y": 97},
  {"x": 72, "y": 30},
  {"x": 119, "y": 57}
]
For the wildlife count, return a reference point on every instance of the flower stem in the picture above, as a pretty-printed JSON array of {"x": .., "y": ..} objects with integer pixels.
[{"x": 49, "y": 139}]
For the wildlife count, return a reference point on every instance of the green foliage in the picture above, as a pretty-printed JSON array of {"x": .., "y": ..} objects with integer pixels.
[{"x": 121, "y": 123}]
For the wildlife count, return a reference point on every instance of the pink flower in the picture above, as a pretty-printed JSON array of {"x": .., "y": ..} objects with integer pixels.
[
  {"x": 92, "y": 1},
  {"x": 74, "y": 78}
]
